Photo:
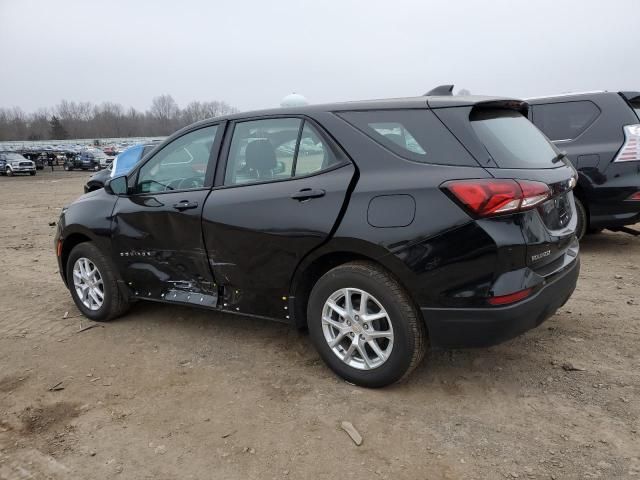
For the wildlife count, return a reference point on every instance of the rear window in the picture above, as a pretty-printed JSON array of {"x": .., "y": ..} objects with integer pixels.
[
  {"x": 415, "y": 134},
  {"x": 511, "y": 139},
  {"x": 565, "y": 120},
  {"x": 636, "y": 108}
]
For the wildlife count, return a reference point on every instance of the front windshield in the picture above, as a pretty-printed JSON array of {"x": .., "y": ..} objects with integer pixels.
[{"x": 14, "y": 156}]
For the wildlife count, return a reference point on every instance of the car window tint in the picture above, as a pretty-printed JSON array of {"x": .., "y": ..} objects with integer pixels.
[
  {"x": 636, "y": 107},
  {"x": 398, "y": 134},
  {"x": 314, "y": 154},
  {"x": 415, "y": 134},
  {"x": 566, "y": 120},
  {"x": 262, "y": 150},
  {"x": 511, "y": 139},
  {"x": 180, "y": 165}
]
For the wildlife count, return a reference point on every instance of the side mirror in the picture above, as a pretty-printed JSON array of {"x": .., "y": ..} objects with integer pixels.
[{"x": 117, "y": 185}]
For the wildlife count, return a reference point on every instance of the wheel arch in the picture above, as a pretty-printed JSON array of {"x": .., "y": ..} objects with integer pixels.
[
  {"x": 68, "y": 244},
  {"x": 312, "y": 268}
]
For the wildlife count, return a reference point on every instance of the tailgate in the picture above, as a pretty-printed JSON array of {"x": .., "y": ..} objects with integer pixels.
[
  {"x": 509, "y": 146},
  {"x": 549, "y": 229}
]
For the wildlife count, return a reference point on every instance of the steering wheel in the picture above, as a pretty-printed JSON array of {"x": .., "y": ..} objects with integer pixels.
[{"x": 191, "y": 182}]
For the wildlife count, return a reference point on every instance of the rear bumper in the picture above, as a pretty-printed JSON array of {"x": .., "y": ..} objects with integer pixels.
[
  {"x": 481, "y": 327},
  {"x": 612, "y": 220}
]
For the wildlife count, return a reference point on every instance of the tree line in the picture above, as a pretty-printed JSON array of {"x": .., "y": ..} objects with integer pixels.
[{"x": 107, "y": 120}]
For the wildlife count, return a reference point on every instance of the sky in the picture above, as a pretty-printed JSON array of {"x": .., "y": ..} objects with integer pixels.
[{"x": 251, "y": 53}]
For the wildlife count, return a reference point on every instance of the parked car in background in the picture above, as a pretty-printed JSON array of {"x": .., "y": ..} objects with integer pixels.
[
  {"x": 130, "y": 156},
  {"x": 600, "y": 133},
  {"x": 41, "y": 161},
  {"x": 390, "y": 225},
  {"x": 123, "y": 162},
  {"x": 89, "y": 159},
  {"x": 12, "y": 163},
  {"x": 97, "y": 180}
]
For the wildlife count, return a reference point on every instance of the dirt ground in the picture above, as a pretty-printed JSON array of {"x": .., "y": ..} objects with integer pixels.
[{"x": 173, "y": 393}]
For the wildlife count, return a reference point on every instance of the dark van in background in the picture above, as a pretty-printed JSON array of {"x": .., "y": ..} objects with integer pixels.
[{"x": 600, "y": 134}]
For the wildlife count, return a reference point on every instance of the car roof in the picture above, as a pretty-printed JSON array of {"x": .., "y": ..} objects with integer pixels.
[{"x": 380, "y": 104}]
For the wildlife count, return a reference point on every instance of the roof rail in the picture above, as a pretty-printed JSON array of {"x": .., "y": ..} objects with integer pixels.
[
  {"x": 566, "y": 94},
  {"x": 444, "y": 90}
]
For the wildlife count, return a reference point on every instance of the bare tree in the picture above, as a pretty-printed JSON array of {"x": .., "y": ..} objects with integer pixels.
[{"x": 85, "y": 120}]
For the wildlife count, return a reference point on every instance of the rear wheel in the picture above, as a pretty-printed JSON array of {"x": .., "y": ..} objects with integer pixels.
[
  {"x": 93, "y": 284},
  {"x": 364, "y": 325},
  {"x": 583, "y": 219}
]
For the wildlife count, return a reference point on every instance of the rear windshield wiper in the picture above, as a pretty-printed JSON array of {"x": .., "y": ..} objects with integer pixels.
[{"x": 559, "y": 157}]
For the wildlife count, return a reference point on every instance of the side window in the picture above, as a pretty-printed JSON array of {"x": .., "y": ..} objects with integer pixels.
[
  {"x": 415, "y": 134},
  {"x": 398, "y": 134},
  {"x": 565, "y": 121},
  {"x": 180, "y": 165},
  {"x": 262, "y": 150},
  {"x": 313, "y": 152}
]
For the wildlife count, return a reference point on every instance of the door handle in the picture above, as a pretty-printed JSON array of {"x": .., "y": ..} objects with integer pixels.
[
  {"x": 185, "y": 205},
  {"x": 307, "y": 193}
]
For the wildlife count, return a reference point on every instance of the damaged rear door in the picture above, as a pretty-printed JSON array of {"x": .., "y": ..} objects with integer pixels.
[{"x": 156, "y": 227}]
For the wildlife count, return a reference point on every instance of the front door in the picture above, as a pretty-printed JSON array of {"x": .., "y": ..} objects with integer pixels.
[
  {"x": 156, "y": 229},
  {"x": 281, "y": 194}
]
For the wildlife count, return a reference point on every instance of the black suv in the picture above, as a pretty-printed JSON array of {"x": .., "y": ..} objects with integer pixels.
[
  {"x": 85, "y": 160},
  {"x": 600, "y": 133},
  {"x": 383, "y": 226}
]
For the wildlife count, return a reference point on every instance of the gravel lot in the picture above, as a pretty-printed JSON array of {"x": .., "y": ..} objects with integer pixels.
[{"x": 168, "y": 392}]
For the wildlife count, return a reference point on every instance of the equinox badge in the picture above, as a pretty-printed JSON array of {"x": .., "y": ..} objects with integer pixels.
[{"x": 540, "y": 255}]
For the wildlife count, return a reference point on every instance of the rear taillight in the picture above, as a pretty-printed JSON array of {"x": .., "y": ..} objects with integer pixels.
[
  {"x": 488, "y": 197},
  {"x": 630, "y": 151},
  {"x": 634, "y": 197}
]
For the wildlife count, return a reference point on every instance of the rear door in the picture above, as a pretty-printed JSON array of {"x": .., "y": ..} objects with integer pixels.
[
  {"x": 277, "y": 198},
  {"x": 156, "y": 229}
]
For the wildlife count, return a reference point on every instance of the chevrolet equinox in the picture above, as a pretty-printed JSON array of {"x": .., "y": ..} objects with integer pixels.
[{"x": 383, "y": 226}]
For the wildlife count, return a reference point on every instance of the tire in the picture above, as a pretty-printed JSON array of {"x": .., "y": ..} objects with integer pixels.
[
  {"x": 583, "y": 219},
  {"x": 9, "y": 172},
  {"x": 32, "y": 173},
  {"x": 114, "y": 302},
  {"x": 409, "y": 336},
  {"x": 67, "y": 168}
]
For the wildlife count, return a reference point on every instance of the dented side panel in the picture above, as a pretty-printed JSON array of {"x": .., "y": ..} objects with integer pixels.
[{"x": 159, "y": 249}]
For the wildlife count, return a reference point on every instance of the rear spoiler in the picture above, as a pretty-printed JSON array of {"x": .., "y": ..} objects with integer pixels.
[{"x": 507, "y": 104}]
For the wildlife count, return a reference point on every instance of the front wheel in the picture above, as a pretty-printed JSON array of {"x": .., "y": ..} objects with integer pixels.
[
  {"x": 32, "y": 173},
  {"x": 93, "y": 284},
  {"x": 364, "y": 325},
  {"x": 9, "y": 172},
  {"x": 583, "y": 219}
]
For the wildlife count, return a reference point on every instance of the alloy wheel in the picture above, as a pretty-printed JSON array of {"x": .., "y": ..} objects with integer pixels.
[
  {"x": 357, "y": 328},
  {"x": 88, "y": 283}
]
